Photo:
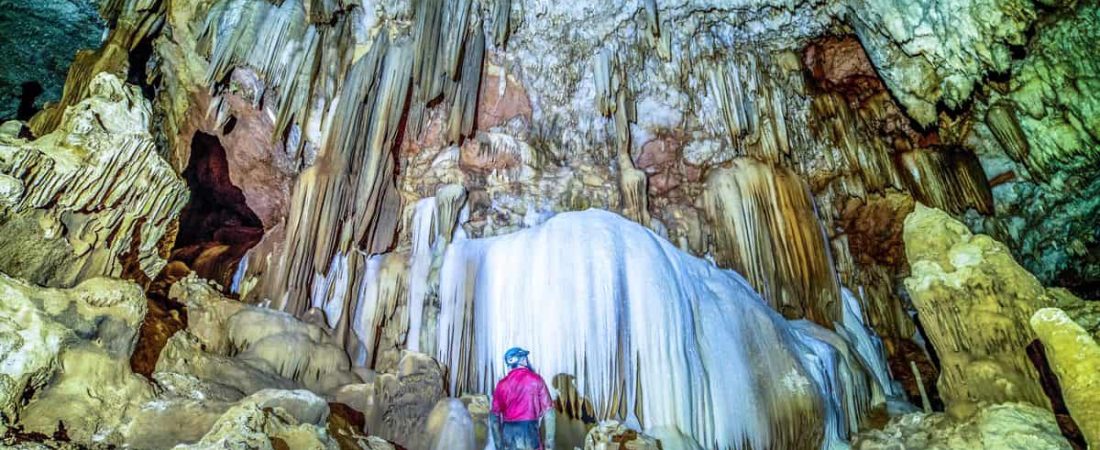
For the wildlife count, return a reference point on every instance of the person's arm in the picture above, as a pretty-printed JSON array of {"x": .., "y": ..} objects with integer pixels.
[
  {"x": 549, "y": 418},
  {"x": 496, "y": 429},
  {"x": 549, "y": 425},
  {"x": 496, "y": 421}
]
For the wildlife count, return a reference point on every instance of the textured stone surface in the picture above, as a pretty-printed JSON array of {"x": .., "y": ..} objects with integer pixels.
[
  {"x": 246, "y": 348},
  {"x": 974, "y": 302},
  {"x": 271, "y": 420},
  {"x": 611, "y": 435},
  {"x": 928, "y": 53},
  {"x": 39, "y": 41},
  {"x": 399, "y": 403},
  {"x": 96, "y": 198},
  {"x": 1010, "y": 426},
  {"x": 1042, "y": 127},
  {"x": 65, "y": 358}
]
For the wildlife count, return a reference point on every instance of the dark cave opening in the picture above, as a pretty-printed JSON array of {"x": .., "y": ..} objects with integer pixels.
[
  {"x": 217, "y": 227},
  {"x": 27, "y": 96}
]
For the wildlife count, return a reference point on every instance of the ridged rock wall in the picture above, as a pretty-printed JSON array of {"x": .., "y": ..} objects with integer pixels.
[{"x": 93, "y": 198}]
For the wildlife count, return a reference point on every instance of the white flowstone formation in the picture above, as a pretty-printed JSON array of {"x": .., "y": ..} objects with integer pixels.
[{"x": 652, "y": 335}]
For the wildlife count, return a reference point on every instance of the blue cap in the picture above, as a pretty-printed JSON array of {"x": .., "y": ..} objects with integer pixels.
[{"x": 514, "y": 355}]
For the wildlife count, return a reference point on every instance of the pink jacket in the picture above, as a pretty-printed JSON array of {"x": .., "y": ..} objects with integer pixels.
[{"x": 521, "y": 395}]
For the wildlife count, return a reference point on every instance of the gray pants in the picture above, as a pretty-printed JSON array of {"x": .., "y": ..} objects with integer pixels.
[{"x": 521, "y": 435}]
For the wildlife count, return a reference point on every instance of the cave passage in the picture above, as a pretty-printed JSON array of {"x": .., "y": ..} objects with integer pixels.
[{"x": 216, "y": 227}]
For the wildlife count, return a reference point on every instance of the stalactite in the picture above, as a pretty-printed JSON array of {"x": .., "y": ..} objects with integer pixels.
[
  {"x": 614, "y": 100},
  {"x": 1001, "y": 119},
  {"x": 951, "y": 179},
  {"x": 643, "y": 332},
  {"x": 765, "y": 227},
  {"x": 424, "y": 236},
  {"x": 334, "y": 213},
  {"x": 862, "y": 157},
  {"x": 299, "y": 61},
  {"x": 380, "y": 319},
  {"x": 502, "y": 22},
  {"x": 323, "y": 11},
  {"x": 463, "y": 114},
  {"x": 752, "y": 106},
  {"x": 448, "y": 55}
]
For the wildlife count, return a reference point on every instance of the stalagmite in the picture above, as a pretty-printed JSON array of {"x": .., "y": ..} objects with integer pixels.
[
  {"x": 974, "y": 303},
  {"x": 450, "y": 426},
  {"x": 765, "y": 227},
  {"x": 646, "y": 333}
]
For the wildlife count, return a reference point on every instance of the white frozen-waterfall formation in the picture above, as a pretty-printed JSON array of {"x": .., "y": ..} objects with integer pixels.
[{"x": 648, "y": 333}]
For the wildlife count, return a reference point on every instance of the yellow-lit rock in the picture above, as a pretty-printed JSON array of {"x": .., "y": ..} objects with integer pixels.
[
  {"x": 1075, "y": 357},
  {"x": 974, "y": 302}
]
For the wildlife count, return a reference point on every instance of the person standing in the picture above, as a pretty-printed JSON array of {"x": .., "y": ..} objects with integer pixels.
[{"x": 521, "y": 401}]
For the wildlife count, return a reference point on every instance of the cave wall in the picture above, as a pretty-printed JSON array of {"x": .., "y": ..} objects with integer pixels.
[
  {"x": 37, "y": 46},
  {"x": 634, "y": 112}
]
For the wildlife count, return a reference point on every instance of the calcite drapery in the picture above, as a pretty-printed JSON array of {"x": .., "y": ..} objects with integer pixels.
[
  {"x": 643, "y": 332},
  {"x": 766, "y": 228}
]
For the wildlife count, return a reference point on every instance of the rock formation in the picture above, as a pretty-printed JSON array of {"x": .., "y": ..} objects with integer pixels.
[
  {"x": 1010, "y": 426},
  {"x": 1075, "y": 357},
  {"x": 92, "y": 198},
  {"x": 974, "y": 302},
  {"x": 66, "y": 358},
  {"x": 666, "y": 325}
]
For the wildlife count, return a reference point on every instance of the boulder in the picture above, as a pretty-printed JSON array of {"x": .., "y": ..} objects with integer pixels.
[
  {"x": 1075, "y": 357},
  {"x": 1009, "y": 426},
  {"x": 612, "y": 435}
]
